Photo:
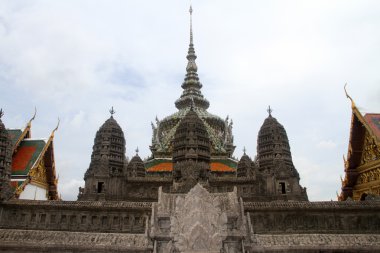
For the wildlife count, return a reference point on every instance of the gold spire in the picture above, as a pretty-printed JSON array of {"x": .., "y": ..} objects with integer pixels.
[
  {"x": 349, "y": 97},
  {"x": 56, "y": 128},
  {"x": 34, "y": 116}
]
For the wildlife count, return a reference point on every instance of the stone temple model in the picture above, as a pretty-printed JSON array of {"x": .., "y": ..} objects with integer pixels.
[
  {"x": 189, "y": 196},
  {"x": 189, "y": 147}
]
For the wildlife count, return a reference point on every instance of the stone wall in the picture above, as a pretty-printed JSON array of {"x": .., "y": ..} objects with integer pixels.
[
  {"x": 120, "y": 217},
  {"x": 190, "y": 222},
  {"x": 314, "y": 217},
  {"x": 15, "y": 240}
]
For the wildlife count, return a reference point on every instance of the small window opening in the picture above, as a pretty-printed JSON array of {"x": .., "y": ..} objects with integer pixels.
[
  {"x": 282, "y": 187},
  {"x": 363, "y": 196},
  {"x": 100, "y": 187}
]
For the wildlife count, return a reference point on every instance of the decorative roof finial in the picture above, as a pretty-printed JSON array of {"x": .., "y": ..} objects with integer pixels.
[
  {"x": 112, "y": 111},
  {"x": 137, "y": 150},
  {"x": 270, "y": 111},
  {"x": 56, "y": 128},
  {"x": 34, "y": 116},
  {"x": 1, "y": 113},
  {"x": 244, "y": 150},
  {"x": 349, "y": 97}
]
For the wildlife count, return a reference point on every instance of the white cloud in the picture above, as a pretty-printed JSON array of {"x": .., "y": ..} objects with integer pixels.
[
  {"x": 326, "y": 144},
  {"x": 78, "y": 119},
  {"x": 69, "y": 189},
  {"x": 321, "y": 183}
]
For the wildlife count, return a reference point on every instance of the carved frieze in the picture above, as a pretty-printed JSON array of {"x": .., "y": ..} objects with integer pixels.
[
  {"x": 371, "y": 152},
  {"x": 296, "y": 222},
  {"x": 38, "y": 174},
  {"x": 369, "y": 176},
  {"x": 74, "y": 239}
]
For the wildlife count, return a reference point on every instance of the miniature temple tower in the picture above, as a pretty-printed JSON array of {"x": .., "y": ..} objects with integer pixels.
[
  {"x": 246, "y": 167},
  {"x": 136, "y": 167},
  {"x": 5, "y": 162},
  {"x": 191, "y": 152},
  {"x": 275, "y": 160},
  {"x": 108, "y": 161}
]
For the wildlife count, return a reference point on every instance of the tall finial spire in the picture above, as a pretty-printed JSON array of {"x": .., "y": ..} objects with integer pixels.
[
  {"x": 191, "y": 85},
  {"x": 1, "y": 113},
  {"x": 191, "y": 66},
  {"x": 191, "y": 24}
]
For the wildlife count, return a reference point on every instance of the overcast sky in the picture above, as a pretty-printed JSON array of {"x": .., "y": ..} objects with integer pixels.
[{"x": 75, "y": 59}]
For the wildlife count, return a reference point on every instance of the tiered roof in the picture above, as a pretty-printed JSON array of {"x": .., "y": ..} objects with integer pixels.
[
  {"x": 33, "y": 161},
  {"x": 361, "y": 126}
]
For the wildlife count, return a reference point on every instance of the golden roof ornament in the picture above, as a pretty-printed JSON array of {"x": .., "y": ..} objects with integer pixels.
[
  {"x": 349, "y": 97},
  {"x": 56, "y": 128}
]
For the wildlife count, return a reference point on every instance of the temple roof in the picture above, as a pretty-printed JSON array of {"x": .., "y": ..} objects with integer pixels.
[
  {"x": 166, "y": 165},
  {"x": 360, "y": 126},
  {"x": 15, "y": 135},
  {"x": 373, "y": 123},
  {"x": 26, "y": 156}
]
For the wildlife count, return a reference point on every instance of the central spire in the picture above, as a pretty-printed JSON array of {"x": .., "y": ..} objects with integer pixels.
[{"x": 191, "y": 85}]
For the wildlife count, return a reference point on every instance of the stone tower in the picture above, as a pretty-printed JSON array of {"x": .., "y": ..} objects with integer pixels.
[
  {"x": 136, "y": 167},
  {"x": 191, "y": 152},
  {"x": 107, "y": 168},
  {"x": 5, "y": 162},
  {"x": 246, "y": 167},
  {"x": 275, "y": 160}
]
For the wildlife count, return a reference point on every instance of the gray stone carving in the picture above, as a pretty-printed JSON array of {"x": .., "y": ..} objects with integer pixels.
[{"x": 197, "y": 221}]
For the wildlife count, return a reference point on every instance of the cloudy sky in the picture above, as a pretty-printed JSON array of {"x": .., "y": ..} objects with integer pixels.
[{"x": 75, "y": 59}]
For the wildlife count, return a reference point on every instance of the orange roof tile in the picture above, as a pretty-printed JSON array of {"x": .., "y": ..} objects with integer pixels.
[
  {"x": 220, "y": 167},
  {"x": 22, "y": 158},
  {"x": 161, "y": 167}
]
